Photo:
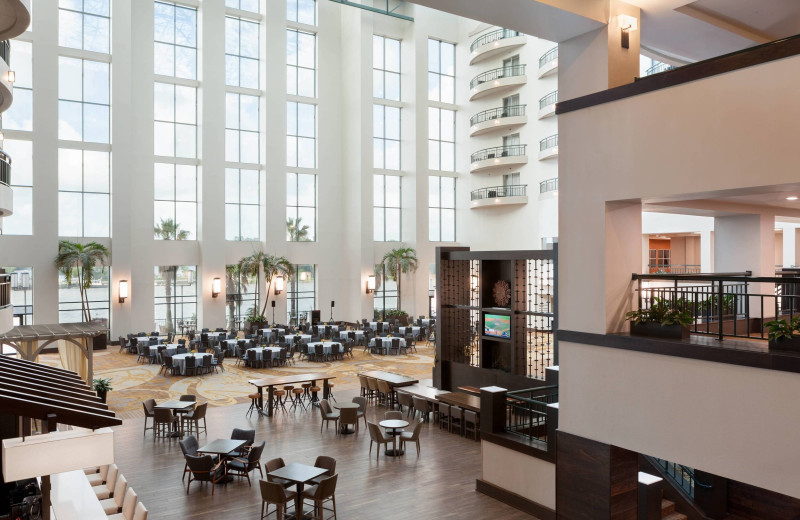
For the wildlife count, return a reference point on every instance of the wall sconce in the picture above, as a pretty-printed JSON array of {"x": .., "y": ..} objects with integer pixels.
[
  {"x": 216, "y": 287},
  {"x": 627, "y": 23},
  {"x": 474, "y": 282},
  {"x": 123, "y": 290},
  {"x": 370, "y": 284},
  {"x": 278, "y": 285},
  {"x": 12, "y": 76}
]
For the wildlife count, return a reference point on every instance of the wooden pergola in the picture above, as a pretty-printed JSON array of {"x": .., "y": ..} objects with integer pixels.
[{"x": 30, "y": 340}]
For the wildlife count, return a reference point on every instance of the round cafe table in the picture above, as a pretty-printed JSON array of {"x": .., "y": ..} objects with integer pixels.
[
  {"x": 345, "y": 430},
  {"x": 394, "y": 425}
]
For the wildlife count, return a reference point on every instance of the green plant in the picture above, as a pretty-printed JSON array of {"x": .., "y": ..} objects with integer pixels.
[
  {"x": 255, "y": 317},
  {"x": 660, "y": 311},
  {"x": 272, "y": 266},
  {"x": 782, "y": 329},
  {"x": 168, "y": 229},
  {"x": 79, "y": 260},
  {"x": 394, "y": 313},
  {"x": 101, "y": 385},
  {"x": 296, "y": 230},
  {"x": 398, "y": 262}
]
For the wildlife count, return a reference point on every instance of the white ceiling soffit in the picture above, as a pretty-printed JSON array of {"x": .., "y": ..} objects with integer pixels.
[{"x": 526, "y": 16}]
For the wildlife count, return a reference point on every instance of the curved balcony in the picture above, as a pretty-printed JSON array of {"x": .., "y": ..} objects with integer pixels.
[
  {"x": 497, "y": 81},
  {"x": 6, "y": 88},
  {"x": 499, "y": 158},
  {"x": 6, "y": 309},
  {"x": 658, "y": 67},
  {"x": 15, "y": 17},
  {"x": 499, "y": 196},
  {"x": 6, "y": 197},
  {"x": 548, "y": 147},
  {"x": 494, "y": 43},
  {"x": 547, "y": 105},
  {"x": 548, "y": 63},
  {"x": 548, "y": 188},
  {"x": 503, "y": 118}
]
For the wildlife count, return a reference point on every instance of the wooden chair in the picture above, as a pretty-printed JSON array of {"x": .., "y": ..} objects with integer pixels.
[
  {"x": 326, "y": 463},
  {"x": 275, "y": 493},
  {"x": 377, "y": 436},
  {"x": 393, "y": 414},
  {"x": 241, "y": 466},
  {"x": 275, "y": 464},
  {"x": 163, "y": 420},
  {"x": 149, "y": 412},
  {"x": 327, "y": 414},
  {"x": 471, "y": 423},
  {"x": 423, "y": 407},
  {"x": 203, "y": 469},
  {"x": 319, "y": 495},
  {"x": 404, "y": 399},
  {"x": 412, "y": 436}
]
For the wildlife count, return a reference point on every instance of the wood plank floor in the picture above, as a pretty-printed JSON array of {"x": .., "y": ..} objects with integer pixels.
[{"x": 439, "y": 484}]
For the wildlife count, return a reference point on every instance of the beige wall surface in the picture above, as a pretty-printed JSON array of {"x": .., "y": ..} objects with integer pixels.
[
  {"x": 733, "y": 421},
  {"x": 532, "y": 478}
]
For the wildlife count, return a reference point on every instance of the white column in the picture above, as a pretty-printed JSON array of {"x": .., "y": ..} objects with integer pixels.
[
  {"x": 789, "y": 244},
  {"x": 623, "y": 247},
  {"x": 706, "y": 251}
]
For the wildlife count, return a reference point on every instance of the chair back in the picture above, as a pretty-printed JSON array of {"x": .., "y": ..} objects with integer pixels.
[
  {"x": 335, "y": 349},
  {"x": 266, "y": 356},
  {"x": 200, "y": 411},
  {"x": 405, "y": 399},
  {"x": 318, "y": 350},
  {"x": 421, "y": 405},
  {"x": 129, "y": 503},
  {"x": 374, "y": 432},
  {"x": 417, "y": 429},
  {"x": 372, "y": 383},
  {"x": 188, "y": 397},
  {"x": 395, "y": 343},
  {"x": 206, "y": 361},
  {"x": 140, "y": 513},
  {"x": 325, "y": 407},
  {"x": 393, "y": 414},
  {"x": 328, "y": 463},
  {"x": 119, "y": 489},
  {"x": 244, "y": 435},
  {"x": 191, "y": 361},
  {"x": 251, "y": 356},
  {"x": 347, "y": 416},
  {"x": 383, "y": 386},
  {"x": 274, "y": 464},
  {"x": 362, "y": 403},
  {"x": 200, "y": 466},
  {"x": 327, "y": 487},
  {"x": 149, "y": 407},
  {"x": 163, "y": 415},
  {"x": 272, "y": 492},
  {"x": 189, "y": 445}
]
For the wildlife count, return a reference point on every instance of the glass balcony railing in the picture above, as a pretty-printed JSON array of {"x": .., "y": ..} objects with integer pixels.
[
  {"x": 498, "y": 151},
  {"x": 497, "y": 113},
  {"x": 494, "y": 74},
  {"x": 493, "y": 36},
  {"x": 495, "y": 192}
]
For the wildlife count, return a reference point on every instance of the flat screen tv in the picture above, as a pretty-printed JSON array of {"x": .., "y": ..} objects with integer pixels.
[{"x": 497, "y": 326}]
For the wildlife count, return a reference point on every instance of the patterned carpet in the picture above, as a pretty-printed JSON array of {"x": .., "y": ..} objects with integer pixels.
[{"x": 134, "y": 382}]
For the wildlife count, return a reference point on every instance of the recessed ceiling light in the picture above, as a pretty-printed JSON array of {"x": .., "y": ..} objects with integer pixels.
[{"x": 791, "y": 198}]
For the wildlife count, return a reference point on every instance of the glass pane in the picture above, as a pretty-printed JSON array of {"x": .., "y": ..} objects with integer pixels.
[
  {"x": 21, "y": 153},
  {"x": 377, "y": 83},
  {"x": 377, "y": 153},
  {"x": 232, "y": 70},
  {"x": 306, "y": 50},
  {"x": 232, "y": 35},
  {"x": 448, "y": 225},
  {"x": 95, "y": 34},
  {"x": 433, "y": 123},
  {"x": 433, "y": 191},
  {"x": 231, "y": 110},
  {"x": 164, "y": 18},
  {"x": 393, "y": 55},
  {"x": 306, "y": 11},
  {"x": 448, "y": 89},
  {"x": 433, "y": 155},
  {"x": 95, "y": 218},
  {"x": 248, "y": 73},
  {"x": 162, "y": 212},
  {"x": 377, "y": 51},
  {"x": 69, "y": 214},
  {"x": 433, "y": 86},
  {"x": 23, "y": 64},
  {"x": 433, "y": 225},
  {"x": 70, "y": 121},
  {"x": 164, "y": 139},
  {"x": 448, "y": 192},
  {"x": 163, "y": 59},
  {"x": 164, "y": 181},
  {"x": 249, "y": 43},
  {"x": 163, "y": 102},
  {"x": 95, "y": 82},
  {"x": 95, "y": 171},
  {"x": 185, "y": 182},
  {"x": 392, "y": 86},
  {"x": 291, "y": 189},
  {"x": 249, "y": 113},
  {"x": 186, "y": 141},
  {"x": 249, "y": 222},
  {"x": 377, "y": 189},
  {"x": 378, "y": 123},
  {"x": 306, "y": 118},
  {"x": 232, "y": 222},
  {"x": 307, "y": 217},
  {"x": 392, "y": 224},
  {"x": 291, "y": 118},
  {"x": 69, "y": 79},
  {"x": 392, "y": 191},
  {"x": 231, "y": 185},
  {"x": 307, "y": 153},
  {"x": 249, "y": 146},
  {"x": 377, "y": 223},
  {"x": 20, "y": 115},
  {"x": 232, "y": 145},
  {"x": 186, "y": 26},
  {"x": 306, "y": 82},
  {"x": 307, "y": 189},
  {"x": 448, "y": 157},
  {"x": 392, "y": 123},
  {"x": 70, "y": 29},
  {"x": 433, "y": 56},
  {"x": 186, "y": 217},
  {"x": 291, "y": 151},
  {"x": 69, "y": 170},
  {"x": 392, "y": 155},
  {"x": 448, "y": 125},
  {"x": 97, "y": 120},
  {"x": 448, "y": 59},
  {"x": 185, "y": 63},
  {"x": 250, "y": 186},
  {"x": 21, "y": 221}
]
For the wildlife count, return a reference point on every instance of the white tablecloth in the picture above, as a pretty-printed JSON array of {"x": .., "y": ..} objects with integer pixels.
[
  {"x": 387, "y": 343},
  {"x": 322, "y": 327},
  {"x": 276, "y": 351},
  {"x": 155, "y": 339},
  {"x": 267, "y": 332},
  {"x": 426, "y": 322},
  {"x": 326, "y": 346},
  {"x": 304, "y": 338},
  {"x": 179, "y": 360},
  {"x": 414, "y": 330},
  {"x": 374, "y": 325},
  {"x": 346, "y": 333},
  {"x": 172, "y": 349}
]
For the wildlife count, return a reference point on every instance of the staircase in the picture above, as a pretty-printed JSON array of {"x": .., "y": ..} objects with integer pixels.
[{"x": 668, "y": 511}]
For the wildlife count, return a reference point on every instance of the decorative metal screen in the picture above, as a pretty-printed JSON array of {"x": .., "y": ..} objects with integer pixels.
[{"x": 540, "y": 315}]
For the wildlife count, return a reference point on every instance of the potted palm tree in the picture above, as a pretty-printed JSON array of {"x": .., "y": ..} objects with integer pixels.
[
  {"x": 271, "y": 266},
  {"x": 76, "y": 260},
  {"x": 397, "y": 262},
  {"x": 168, "y": 229}
]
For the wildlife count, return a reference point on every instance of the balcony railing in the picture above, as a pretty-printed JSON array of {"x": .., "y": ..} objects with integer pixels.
[
  {"x": 548, "y": 56},
  {"x": 548, "y": 142},
  {"x": 674, "y": 268},
  {"x": 495, "y": 192},
  {"x": 5, "y": 290},
  {"x": 493, "y": 37},
  {"x": 5, "y": 168},
  {"x": 5, "y": 51},
  {"x": 548, "y": 185},
  {"x": 527, "y": 413},
  {"x": 502, "y": 72},
  {"x": 498, "y": 151},
  {"x": 683, "y": 476},
  {"x": 658, "y": 67},
  {"x": 549, "y": 99},
  {"x": 725, "y": 304},
  {"x": 496, "y": 113}
]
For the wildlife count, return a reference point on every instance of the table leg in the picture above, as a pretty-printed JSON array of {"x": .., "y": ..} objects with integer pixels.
[
  {"x": 269, "y": 398},
  {"x": 298, "y": 502},
  {"x": 326, "y": 390},
  {"x": 260, "y": 399},
  {"x": 314, "y": 396}
]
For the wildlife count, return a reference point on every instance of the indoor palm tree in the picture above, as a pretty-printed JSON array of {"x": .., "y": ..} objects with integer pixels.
[
  {"x": 397, "y": 262},
  {"x": 271, "y": 266},
  {"x": 168, "y": 229},
  {"x": 298, "y": 232},
  {"x": 75, "y": 259}
]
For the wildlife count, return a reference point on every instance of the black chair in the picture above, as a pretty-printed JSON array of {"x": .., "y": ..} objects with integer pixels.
[
  {"x": 191, "y": 365},
  {"x": 242, "y": 466},
  {"x": 249, "y": 436},
  {"x": 204, "y": 469},
  {"x": 189, "y": 446}
]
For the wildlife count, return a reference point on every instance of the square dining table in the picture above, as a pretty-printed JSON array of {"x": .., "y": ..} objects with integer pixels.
[
  {"x": 299, "y": 474},
  {"x": 177, "y": 407},
  {"x": 222, "y": 447}
]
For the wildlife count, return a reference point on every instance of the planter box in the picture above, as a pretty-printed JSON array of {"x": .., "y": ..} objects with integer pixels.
[
  {"x": 656, "y": 330},
  {"x": 792, "y": 345}
]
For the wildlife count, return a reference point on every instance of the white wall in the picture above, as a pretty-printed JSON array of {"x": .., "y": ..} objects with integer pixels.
[
  {"x": 532, "y": 478},
  {"x": 733, "y": 421}
]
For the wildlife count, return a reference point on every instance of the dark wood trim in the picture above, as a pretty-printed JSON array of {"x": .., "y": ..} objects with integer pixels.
[
  {"x": 514, "y": 500},
  {"x": 749, "y": 57},
  {"x": 515, "y": 443},
  {"x": 703, "y": 348},
  {"x": 466, "y": 254}
]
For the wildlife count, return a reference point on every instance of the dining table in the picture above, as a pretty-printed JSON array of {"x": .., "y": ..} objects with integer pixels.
[
  {"x": 300, "y": 474},
  {"x": 461, "y": 399},
  {"x": 393, "y": 380},
  {"x": 392, "y": 426},
  {"x": 304, "y": 338},
  {"x": 386, "y": 343},
  {"x": 276, "y": 351},
  {"x": 177, "y": 407},
  {"x": 326, "y": 346},
  {"x": 374, "y": 324},
  {"x": 339, "y": 406},
  {"x": 271, "y": 382},
  {"x": 268, "y": 331},
  {"x": 222, "y": 448},
  {"x": 179, "y": 361},
  {"x": 171, "y": 350}
]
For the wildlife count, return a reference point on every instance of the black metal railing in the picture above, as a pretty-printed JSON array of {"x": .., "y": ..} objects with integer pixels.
[
  {"x": 498, "y": 151},
  {"x": 497, "y": 113},
  {"x": 548, "y": 56},
  {"x": 493, "y": 36},
  {"x": 682, "y": 476},
  {"x": 5, "y": 51},
  {"x": 495, "y": 192},
  {"x": 725, "y": 304},
  {"x": 5, "y": 290},
  {"x": 5, "y": 168},
  {"x": 548, "y": 142},
  {"x": 674, "y": 268},
  {"x": 502, "y": 72},
  {"x": 658, "y": 67},
  {"x": 548, "y": 185},
  {"x": 549, "y": 99},
  {"x": 527, "y": 412}
]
